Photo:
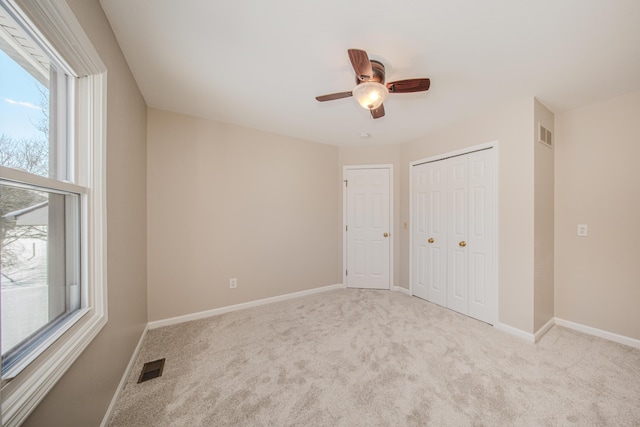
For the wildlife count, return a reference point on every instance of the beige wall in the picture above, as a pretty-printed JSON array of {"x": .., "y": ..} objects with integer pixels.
[
  {"x": 511, "y": 126},
  {"x": 543, "y": 217},
  {"x": 597, "y": 278},
  {"x": 83, "y": 394},
  {"x": 227, "y": 202},
  {"x": 379, "y": 155}
]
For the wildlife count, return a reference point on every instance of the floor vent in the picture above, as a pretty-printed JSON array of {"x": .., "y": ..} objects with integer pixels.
[
  {"x": 151, "y": 370},
  {"x": 544, "y": 135}
]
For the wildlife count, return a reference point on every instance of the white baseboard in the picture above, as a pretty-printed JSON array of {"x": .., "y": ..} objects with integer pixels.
[
  {"x": 216, "y": 311},
  {"x": 123, "y": 381},
  {"x": 544, "y": 329},
  {"x": 515, "y": 331},
  {"x": 401, "y": 289},
  {"x": 620, "y": 339}
]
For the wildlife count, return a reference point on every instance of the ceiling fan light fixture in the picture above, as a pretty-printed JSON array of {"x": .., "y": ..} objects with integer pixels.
[{"x": 370, "y": 95}]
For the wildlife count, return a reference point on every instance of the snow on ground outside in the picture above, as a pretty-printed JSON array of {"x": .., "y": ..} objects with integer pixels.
[{"x": 24, "y": 293}]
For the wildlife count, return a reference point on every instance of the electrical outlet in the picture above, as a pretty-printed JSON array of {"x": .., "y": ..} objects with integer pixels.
[
  {"x": 582, "y": 230},
  {"x": 233, "y": 283}
]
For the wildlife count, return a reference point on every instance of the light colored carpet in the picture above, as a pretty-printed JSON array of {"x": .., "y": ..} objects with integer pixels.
[{"x": 367, "y": 358}]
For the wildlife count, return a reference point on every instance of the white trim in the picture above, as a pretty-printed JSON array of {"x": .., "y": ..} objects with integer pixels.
[
  {"x": 216, "y": 311},
  {"x": 401, "y": 290},
  {"x": 494, "y": 145},
  {"x": 380, "y": 166},
  {"x": 515, "y": 331},
  {"x": 460, "y": 152},
  {"x": 620, "y": 339},
  {"x": 344, "y": 222},
  {"x": 410, "y": 228},
  {"x": 27, "y": 389},
  {"x": 392, "y": 228},
  {"x": 94, "y": 129},
  {"x": 544, "y": 329},
  {"x": 392, "y": 233},
  {"x": 123, "y": 380},
  {"x": 534, "y": 338},
  {"x": 496, "y": 227}
]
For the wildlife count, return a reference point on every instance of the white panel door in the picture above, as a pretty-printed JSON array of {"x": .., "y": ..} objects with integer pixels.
[
  {"x": 481, "y": 236},
  {"x": 368, "y": 228},
  {"x": 453, "y": 210},
  {"x": 429, "y": 232},
  {"x": 458, "y": 254}
]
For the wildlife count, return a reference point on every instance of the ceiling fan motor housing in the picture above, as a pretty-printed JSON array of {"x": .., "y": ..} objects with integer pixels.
[{"x": 378, "y": 73}]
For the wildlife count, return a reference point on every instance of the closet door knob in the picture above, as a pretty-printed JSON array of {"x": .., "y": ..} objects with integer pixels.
[
  {"x": 430, "y": 240},
  {"x": 386, "y": 234},
  {"x": 463, "y": 243}
]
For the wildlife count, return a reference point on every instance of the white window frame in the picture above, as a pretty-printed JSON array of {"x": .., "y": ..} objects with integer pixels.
[{"x": 53, "y": 21}]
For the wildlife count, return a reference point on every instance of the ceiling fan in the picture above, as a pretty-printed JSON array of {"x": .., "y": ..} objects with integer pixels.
[{"x": 371, "y": 90}]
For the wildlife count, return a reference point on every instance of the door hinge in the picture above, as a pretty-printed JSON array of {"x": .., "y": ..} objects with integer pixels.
[
  {"x": 346, "y": 228},
  {"x": 346, "y": 272},
  {"x": 346, "y": 183}
]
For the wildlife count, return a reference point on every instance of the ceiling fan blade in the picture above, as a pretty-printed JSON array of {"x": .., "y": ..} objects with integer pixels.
[
  {"x": 361, "y": 64},
  {"x": 409, "y": 85},
  {"x": 376, "y": 113},
  {"x": 332, "y": 96}
]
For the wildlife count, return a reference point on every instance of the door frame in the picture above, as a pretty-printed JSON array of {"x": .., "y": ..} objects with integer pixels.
[
  {"x": 344, "y": 218},
  {"x": 487, "y": 145}
]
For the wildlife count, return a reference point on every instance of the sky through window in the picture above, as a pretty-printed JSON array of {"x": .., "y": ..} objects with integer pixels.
[{"x": 20, "y": 99}]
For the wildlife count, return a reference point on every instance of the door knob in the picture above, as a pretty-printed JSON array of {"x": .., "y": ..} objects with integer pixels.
[
  {"x": 463, "y": 243},
  {"x": 386, "y": 234},
  {"x": 430, "y": 240}
]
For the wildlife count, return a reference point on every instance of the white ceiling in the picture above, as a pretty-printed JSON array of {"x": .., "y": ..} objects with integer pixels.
[{"x": 260, "y": 64}]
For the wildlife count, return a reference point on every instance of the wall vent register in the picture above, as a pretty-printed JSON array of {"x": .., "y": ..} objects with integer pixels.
[{"x": 544, "y": 135}]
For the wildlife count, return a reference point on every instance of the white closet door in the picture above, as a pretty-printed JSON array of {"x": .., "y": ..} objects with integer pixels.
[
  {"x": 437, "y": 234},
  {"x": 429, "y": 234},
  {"x": 481, "y": 236},
  {"x": 453, "y": 234},
  {"x": 458, "y": 229}
]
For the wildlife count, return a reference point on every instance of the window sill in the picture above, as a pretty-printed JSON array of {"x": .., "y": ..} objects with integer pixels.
[{"x": 24, "y": 397}]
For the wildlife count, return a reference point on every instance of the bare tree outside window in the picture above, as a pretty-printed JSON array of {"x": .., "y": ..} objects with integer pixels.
[
  {"x": 24, "y": 245},
  {"x": 30, "y": 155}
]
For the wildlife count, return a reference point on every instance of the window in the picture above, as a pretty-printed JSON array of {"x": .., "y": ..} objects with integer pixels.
[
  {"x": 40, "y": 269},
  {"x": 40, "y": 226},
  {"x": 52, "y": 198}
]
